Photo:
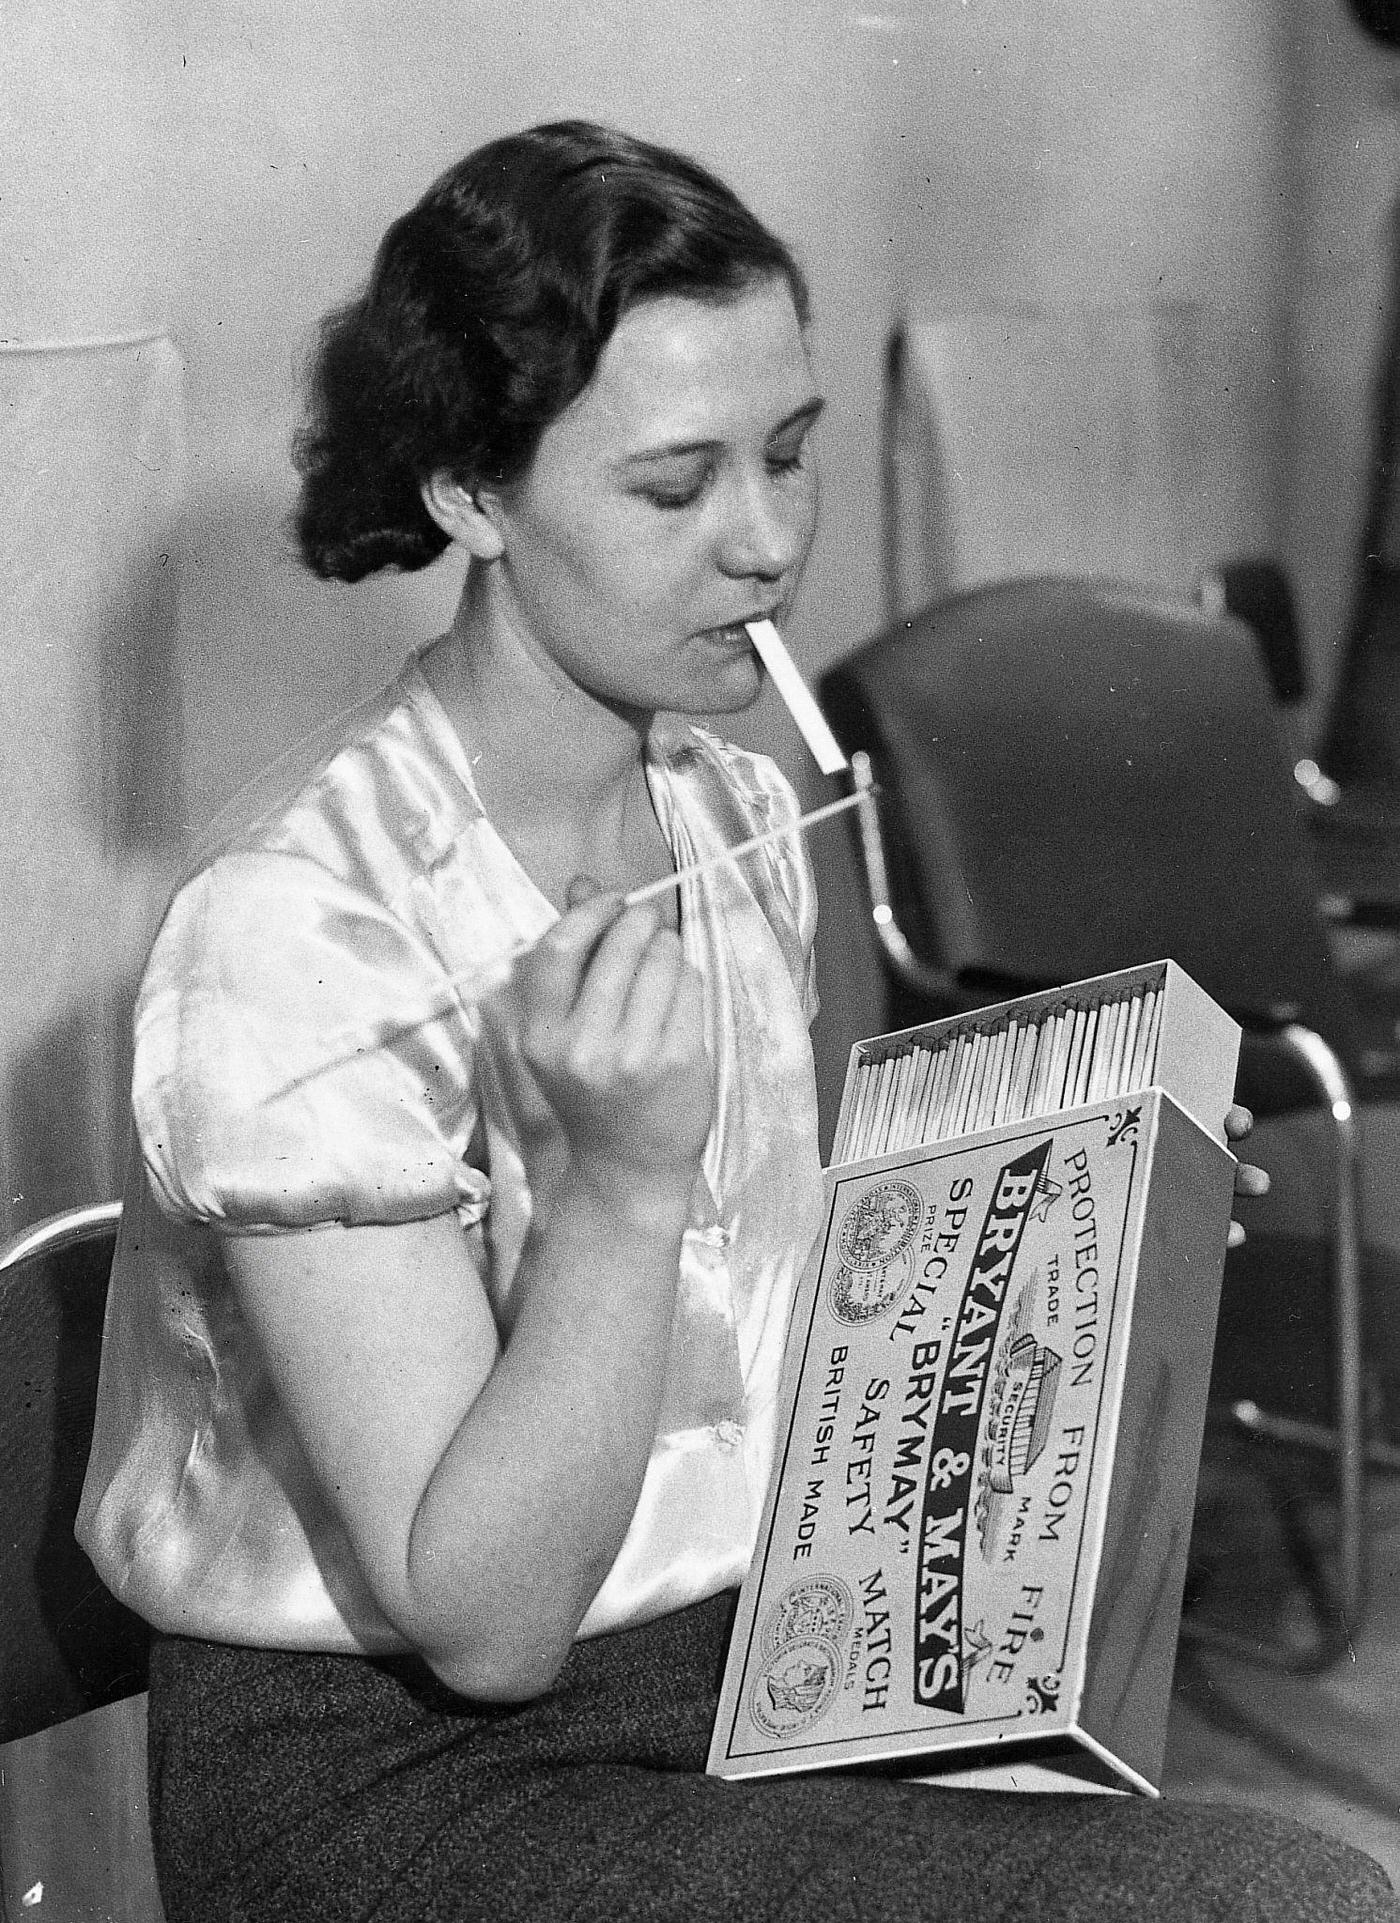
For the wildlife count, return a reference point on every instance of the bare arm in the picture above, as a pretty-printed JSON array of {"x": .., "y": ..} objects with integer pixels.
[{"x": 487, "y": 1489}]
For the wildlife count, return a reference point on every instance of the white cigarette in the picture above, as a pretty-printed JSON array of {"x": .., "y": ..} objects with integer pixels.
[{"x": 801, "y": 703}]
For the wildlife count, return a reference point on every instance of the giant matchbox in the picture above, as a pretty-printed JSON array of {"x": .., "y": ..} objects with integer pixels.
[{"x": 970, "y": 1564}]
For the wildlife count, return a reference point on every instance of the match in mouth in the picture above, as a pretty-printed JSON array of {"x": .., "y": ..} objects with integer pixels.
[
  {"x": 801, "y": 702},
  {"x": 734, "y": 634}
]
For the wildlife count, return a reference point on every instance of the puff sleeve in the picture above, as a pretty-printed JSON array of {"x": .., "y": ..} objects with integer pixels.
[{"x": 301, "y": 1057}]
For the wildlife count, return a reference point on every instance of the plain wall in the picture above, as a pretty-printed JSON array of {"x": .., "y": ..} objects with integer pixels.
[
  {"x": 1342, "y": 163},
  {"x": 218, "y": 175}
]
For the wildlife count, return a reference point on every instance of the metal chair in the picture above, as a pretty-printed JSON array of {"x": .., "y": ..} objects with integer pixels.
[
  {"x": 1076, "y": 776},
  {"x": 73, "y": 1820}
]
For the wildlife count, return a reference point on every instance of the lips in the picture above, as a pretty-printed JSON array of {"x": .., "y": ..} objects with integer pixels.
[{"x": 735, "y": 633}]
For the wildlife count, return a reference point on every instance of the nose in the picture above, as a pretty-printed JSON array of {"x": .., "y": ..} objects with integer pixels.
[{"x": 767, "y": 529}]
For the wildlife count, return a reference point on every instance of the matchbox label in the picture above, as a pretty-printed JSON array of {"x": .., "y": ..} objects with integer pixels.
[{"x": 928, "y": 1562}]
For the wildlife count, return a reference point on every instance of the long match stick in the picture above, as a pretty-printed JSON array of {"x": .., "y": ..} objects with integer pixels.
[
  {"x": 801, "y": 703},
  {"x": 381, "y": 1038},
  {"x": 682, "y": 875}
]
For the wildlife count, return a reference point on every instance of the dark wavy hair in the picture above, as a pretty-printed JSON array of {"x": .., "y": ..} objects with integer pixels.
[{"x": 485, "y": 314}]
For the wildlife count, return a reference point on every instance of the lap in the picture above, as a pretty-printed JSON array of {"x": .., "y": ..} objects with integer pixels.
[{"x": 295, "y": 1786}]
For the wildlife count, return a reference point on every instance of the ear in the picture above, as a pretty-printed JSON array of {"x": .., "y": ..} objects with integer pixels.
[{"x": 464, "y": 516}]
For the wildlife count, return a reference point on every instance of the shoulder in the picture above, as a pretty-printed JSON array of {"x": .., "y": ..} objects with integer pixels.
[
  {"x": 300, "y": 1055},
  {"x": 295, "y": 1009},
  {"x": 375, "y": 794},
  {"x": 308, "y": 865}
]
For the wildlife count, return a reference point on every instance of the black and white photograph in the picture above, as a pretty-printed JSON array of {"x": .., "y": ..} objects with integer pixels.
[{"x": 700, "y": 855}]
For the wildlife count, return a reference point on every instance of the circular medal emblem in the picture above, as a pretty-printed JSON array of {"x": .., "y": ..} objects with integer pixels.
[
  {"x": 860, "y": 1295},
  {"x": 795, "y": 1686},
  {"x": 873, "y": 1243},
  {"x": 819, "y": 1607},
  {"x": 880, "y": 1226}
]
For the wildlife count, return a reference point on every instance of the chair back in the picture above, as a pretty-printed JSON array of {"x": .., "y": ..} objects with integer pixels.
[
  {"x": 1079, "y": 776},
  {"x": 66, "y": 1646}
]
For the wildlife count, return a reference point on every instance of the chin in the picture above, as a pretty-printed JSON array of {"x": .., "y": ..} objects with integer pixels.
[{"x": 731, "y": 690}]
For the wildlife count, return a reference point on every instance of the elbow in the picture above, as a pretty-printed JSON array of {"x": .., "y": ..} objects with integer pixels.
[
  {"x": 500, "y": 1674},
  {"x": 489, "y": 1636}
]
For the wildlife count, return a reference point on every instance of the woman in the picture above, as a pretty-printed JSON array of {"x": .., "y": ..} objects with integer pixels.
[{"x": 438, "y": 1395}]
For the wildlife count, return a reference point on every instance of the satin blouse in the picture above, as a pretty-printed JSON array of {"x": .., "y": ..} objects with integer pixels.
[{"x": 310, "y": 1050}]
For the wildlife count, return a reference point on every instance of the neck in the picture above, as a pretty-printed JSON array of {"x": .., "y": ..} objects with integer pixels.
[{"x": 560, "y": 773}]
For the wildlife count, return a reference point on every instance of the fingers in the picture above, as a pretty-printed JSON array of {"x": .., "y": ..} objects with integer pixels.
[
  {"x": 1250, "y": 1179},
  {"x": 644, "y": 950},
  {"x": 647, "y": 1022},
  {"x": 603, "y": 984},
  {"x": 551, "y": 972},
  {"x": 1238, "y": 1122},
  {"x": 612, "y": 1028},
  {"x": 607, "y": 985},
  {"x": 640, "y": 999}
]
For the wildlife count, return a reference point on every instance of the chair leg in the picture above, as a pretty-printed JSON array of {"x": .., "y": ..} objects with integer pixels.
[{"x": 1340, "y": 1604}]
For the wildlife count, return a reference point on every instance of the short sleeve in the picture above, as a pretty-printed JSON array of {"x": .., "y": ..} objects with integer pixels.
[{"x": 301, "y": 1057}]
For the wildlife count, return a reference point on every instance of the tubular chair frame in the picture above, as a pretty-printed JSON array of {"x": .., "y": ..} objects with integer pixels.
[
  {"x": 68, "y": 1229},
  {"x": 59, "y": 1231},
  {"x": 73, "y": 1823},
  {"x": 1341, "y": 1607}
]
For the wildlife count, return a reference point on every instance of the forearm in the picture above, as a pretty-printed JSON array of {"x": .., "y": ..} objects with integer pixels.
[
  {"x": 527, "y": 1507},
  {"x": 486, "y": 1476}
]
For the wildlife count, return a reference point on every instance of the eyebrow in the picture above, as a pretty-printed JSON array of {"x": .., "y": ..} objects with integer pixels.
[{"x": 804, "y": 416}]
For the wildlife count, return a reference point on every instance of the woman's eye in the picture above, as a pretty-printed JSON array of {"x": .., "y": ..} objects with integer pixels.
[
  {"x": 788, "y": 457},
  {"x": 677, "y": 490},
  {"x": 673, "y": 497}
]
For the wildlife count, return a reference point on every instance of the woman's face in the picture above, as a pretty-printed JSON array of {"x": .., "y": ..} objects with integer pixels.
[{"x": 674, "y": 500}]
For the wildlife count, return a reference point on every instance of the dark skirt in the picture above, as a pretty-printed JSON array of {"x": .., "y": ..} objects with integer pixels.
[{"x": 308, "y": 1787}]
